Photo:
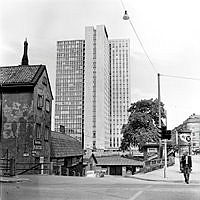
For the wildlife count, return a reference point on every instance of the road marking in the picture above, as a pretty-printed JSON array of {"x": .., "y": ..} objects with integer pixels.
[
  {"x": 139, "y": 193},
  {"x": 136, "y": 195}
]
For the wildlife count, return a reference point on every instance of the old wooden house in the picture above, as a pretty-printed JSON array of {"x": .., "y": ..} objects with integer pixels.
[
  {"x": 66, "y": 155},
  {"x": 25, "y": 112}
]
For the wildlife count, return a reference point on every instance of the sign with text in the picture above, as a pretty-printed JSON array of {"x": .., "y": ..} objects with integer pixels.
[{"x": 151, "y": 150}]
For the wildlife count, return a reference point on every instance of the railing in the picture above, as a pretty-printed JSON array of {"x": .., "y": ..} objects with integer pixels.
[
  {"x": 7, "y": 167},
  {"x": 33, "y": 168},
  {"x": 151, "y": 165}
]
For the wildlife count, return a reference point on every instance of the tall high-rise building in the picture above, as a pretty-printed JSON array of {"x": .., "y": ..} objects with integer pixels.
[
  {"x": 92, "y": 88},
  {"x": 69, "y": 98},
  {"x": 97, "y": 88},
  {"x": 120, "y": 88}
]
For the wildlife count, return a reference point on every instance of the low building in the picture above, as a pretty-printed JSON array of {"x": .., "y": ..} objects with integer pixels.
[
  {"x": 118, "y": 165},
  {"x": 66, "y": 155},
  {"x": 89, "y": 163},
  {"x": 25, "y": 113}
]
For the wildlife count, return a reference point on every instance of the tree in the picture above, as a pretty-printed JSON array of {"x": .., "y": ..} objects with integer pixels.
[{"x": 142, "y": 126}]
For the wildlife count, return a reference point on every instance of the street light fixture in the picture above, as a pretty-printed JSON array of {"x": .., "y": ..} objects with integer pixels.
[{"x": 125, "y": 17}]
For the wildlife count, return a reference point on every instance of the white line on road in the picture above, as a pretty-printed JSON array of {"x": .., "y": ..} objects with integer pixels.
[
  {"x": 139, "y": 193},
  {"x": 136, "y": 195}
]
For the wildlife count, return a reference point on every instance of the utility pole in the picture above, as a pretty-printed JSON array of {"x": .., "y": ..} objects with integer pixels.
[
  {"x": 159, "y": 114},
  {"x": 165, "y": 140}
]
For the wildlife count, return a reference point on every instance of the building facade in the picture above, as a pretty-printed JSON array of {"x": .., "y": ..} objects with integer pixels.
[
  {"x": 25, "y": 102},
  {"x": 120, "y": 88},
  {"x": 97, "y": 88},
  {"x": 192, "y": 124},
  {"x": 69, "y": 97},
  {"x": 103, "y": 76}
]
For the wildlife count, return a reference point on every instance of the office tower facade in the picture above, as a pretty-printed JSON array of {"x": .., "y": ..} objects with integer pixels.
[
  {"x": 97, "y": 88},
  {"x": 120, "y": 88},
  {"x": 69, "y": 96},
  {"x": 92, "y": 88}
]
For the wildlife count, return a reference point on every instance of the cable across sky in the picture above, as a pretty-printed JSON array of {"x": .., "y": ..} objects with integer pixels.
[{"x": 153, "y": 66}]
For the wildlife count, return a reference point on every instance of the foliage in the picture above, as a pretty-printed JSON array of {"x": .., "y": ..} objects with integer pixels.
[{"x": 142, "y": 124}]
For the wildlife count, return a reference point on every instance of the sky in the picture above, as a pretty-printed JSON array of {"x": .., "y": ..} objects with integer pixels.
[{"x": 168, "y": 29}]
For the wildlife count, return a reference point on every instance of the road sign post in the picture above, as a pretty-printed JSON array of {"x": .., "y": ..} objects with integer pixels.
[{"x": 165, "y": 150}]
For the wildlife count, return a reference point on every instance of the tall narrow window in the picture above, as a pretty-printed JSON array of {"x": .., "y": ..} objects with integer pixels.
[
  {"x": 46, "y": 134},
  {"x": 47, "y": 105},
  {"x": 40, "y": 101},
  {"x": 38, "y": 131}
]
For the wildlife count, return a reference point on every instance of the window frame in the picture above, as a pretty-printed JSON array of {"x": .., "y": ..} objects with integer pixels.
[
  {"x": 46, "y": 133},
  {"x": 40, "y": 101},
  {"x": 47, "y": 105},
  {"x": 38, "y": 131}
]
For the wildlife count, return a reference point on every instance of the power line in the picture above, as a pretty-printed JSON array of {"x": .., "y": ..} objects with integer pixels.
[
  {"x": 123, "y": 5},
  {"x": 154, "y": 68},
  {"x": 180, "y": 77}
]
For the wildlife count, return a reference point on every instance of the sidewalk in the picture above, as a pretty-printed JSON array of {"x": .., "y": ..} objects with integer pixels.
[
  {"x": 14, "y": 179},
  {"x": 173, "y": 173}
]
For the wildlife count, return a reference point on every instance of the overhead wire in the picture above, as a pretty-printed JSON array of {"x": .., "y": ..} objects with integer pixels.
[
  {"x": 154, "y": 68},
  {"x": 180, "y": 77},
  {"x": 137, "y": 35}
]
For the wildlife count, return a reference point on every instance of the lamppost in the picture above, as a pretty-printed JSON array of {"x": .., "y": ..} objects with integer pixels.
[{"x": 126, "y": 17}]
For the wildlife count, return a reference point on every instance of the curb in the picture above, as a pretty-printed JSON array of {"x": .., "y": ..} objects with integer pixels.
[
  {"x": 158, "y": 180},
  {"x": 13, "y": 180},
  {"x": 163, "y": 180}
]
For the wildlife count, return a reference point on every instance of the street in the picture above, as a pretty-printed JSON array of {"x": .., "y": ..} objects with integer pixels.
[
  {"x": 73, "y": 188},
  {"x": 137, "y": 187}
]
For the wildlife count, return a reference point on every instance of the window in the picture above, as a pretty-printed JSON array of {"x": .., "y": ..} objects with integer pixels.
[
  {"x": 46, "y": 134},
  {"x": 47, "y": 105},
  {"x": 44, "y": 80},
  {"x": 38, "y": 131},
  {"x": 94, "y": 144},
  {"x": 40, "y": 101}
]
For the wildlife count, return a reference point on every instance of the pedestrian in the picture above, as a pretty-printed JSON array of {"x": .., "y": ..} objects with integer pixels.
[{"x": 187, "y": 166}]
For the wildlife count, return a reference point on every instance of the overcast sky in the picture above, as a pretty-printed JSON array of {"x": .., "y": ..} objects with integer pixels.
[{"x": 168, "y": 29}]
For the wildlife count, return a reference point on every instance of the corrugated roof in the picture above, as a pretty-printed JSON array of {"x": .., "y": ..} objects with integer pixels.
[
  {"x": 117, "y": 161},
  {"x": 22, "y": 74},
  {"x": 63, "y": 145}
]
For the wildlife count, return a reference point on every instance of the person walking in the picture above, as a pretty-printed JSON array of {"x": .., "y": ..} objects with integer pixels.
[{"x": 187, "y": 166}]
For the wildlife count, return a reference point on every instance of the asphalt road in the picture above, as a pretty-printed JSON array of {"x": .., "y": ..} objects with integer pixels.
[{"x": 107, "y": 188}]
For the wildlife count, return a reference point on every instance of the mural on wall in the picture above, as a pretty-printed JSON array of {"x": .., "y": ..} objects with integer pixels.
[{"x": 17, "y": 111}]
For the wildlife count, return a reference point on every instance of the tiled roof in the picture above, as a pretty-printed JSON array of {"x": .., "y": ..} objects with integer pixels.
[
  {"x": 22, "y": 74},
  {"x": 63, "y": 145},
  {"x": 117, "y": 161}
]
